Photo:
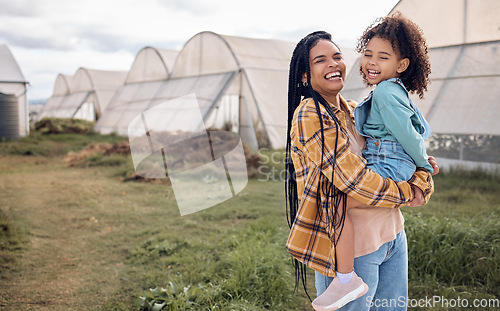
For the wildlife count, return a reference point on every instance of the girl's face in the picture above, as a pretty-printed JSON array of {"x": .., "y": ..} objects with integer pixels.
[
  {"x": 381, "y": 62},
  {"x": 327, "y": 69}
]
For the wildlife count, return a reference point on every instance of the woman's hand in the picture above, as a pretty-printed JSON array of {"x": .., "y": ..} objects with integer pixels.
[
  {"x": 418, "y": 199},
  {"x": 434, "y": 165}
]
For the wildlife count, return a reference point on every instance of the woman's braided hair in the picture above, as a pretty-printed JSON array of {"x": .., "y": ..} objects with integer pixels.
[
  {"x": 335, "y": 199},
  {"x": 407, "y": 38}
]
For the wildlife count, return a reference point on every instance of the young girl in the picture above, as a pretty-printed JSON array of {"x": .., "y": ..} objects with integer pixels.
[{"x": 395, "y": 59}]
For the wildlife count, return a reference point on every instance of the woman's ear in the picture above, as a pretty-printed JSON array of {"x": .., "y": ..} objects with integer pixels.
[
  {"x": 403, "y": 65},
  {"x": 304, "y": 77}
]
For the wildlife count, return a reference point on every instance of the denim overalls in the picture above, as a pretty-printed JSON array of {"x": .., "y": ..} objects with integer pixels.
[{"x": 388, "y": 158}]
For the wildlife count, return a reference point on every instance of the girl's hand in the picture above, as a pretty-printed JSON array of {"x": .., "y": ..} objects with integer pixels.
[
  {"x": 418, "y": 199},
  {"x": 434, "y": 165}
]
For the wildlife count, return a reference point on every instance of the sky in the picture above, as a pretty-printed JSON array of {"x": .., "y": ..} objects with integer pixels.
[{"x": 48, "y": 37}]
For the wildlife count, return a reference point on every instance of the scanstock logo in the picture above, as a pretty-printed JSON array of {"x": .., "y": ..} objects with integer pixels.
[{"x": 205, "y": 167}]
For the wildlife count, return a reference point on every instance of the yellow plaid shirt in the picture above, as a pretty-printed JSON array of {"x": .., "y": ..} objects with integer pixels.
[{"x": 308, "y": 241}]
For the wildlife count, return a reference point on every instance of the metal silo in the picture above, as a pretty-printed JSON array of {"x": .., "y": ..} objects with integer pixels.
[{"x": 9, "y": 116}]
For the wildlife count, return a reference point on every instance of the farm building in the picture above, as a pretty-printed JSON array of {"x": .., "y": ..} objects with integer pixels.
[
  {"x": 461, "y": 103},
  {"x": 85, "y": 95},
  {"x": 240, "y": 84},
  {"x": 147, "y": 75},
  {"x": 59, "y": 93},
  {"x": 14, "y": 121}
]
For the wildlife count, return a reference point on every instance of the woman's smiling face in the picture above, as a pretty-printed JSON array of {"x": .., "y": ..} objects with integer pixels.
[{"x": 328, "y": 69}]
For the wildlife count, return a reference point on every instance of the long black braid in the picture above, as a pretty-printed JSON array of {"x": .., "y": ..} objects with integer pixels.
[{"x": 299, "y": 65}]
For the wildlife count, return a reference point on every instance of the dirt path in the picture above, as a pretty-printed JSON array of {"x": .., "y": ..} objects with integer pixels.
[{"x": 63, "y": 265}]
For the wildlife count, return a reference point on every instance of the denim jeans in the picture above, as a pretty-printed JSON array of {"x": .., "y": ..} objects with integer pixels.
[
  {"x": 389, "y": 159},
  {"x": 385, "y": 271}
]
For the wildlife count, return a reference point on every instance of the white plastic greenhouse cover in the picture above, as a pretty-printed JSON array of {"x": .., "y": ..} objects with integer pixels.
[
  {"x": 147, "y": 76},
  {"x": 257, "y": 91},
  {"x": 453, "y": 22},
  {"x": 12, "y": 82},
  {"x": 61, "y": 90},
  {"x": 237, "y": 81},
  {"x": 151, "y": 64},
  {"x": 90, "y": 91},
  {"x": 464, "y": 37}
]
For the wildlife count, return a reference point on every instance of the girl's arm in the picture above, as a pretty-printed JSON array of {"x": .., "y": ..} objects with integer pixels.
[{"x": 393, "y": 105}]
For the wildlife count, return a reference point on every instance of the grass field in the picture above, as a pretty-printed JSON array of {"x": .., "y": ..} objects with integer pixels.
[{"x": 79, "y": 238}]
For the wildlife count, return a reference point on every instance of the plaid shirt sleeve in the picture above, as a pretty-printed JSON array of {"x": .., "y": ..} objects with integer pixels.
[{"x": 308, "y": 240}]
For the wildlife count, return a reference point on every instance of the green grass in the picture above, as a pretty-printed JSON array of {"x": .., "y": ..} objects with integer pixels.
[
  {"x": 247, "y": 266},
  {"x": 12, "y": 240},
  {"x": 228, "y": 257},
  {"x": 454, "y": 241},
  {"x": 37, "y": 144}
]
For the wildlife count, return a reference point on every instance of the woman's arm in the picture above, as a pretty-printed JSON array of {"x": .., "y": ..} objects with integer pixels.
[{"x": 351, "y": 174}]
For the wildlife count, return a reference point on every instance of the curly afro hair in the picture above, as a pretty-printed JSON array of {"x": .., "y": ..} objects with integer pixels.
[{"x": 407, "y": 38}]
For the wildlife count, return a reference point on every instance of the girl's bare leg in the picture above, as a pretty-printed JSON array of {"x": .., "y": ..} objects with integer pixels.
[
  {"x": 346, "y": 286},
  {"x": 345, "y": 244},
  {"x": 344, "y": 250}
]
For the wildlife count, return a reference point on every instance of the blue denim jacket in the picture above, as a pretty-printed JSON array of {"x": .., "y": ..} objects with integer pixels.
[{"x": 394, "y": 127}]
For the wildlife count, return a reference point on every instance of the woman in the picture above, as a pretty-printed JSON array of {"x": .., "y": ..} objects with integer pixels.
[{"x": 323, "y": 152}]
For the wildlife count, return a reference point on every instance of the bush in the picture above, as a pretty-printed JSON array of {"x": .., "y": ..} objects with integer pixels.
[{"x": 63, "y": 125}]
